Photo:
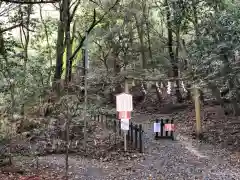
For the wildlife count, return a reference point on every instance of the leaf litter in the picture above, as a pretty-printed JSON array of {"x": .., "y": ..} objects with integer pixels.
[{"x": 105, "y": 159}]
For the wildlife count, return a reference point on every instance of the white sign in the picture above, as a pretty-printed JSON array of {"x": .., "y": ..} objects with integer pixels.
[
  {"x": 169, "y": 87},
  {"x": 124, "y": 102},
  {"x": 157, "y": 127},
  {"x": 125, "y": 124}
]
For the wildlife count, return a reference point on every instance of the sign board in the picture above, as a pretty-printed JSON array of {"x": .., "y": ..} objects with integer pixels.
[
  {"x": 169, "y": 127},
  {"x": 124, "y": 115},
  {"x": 157, "y": 127},
  {"x": 169, "y": 87},
  {"x": 125, "y": 124},
  {"x": 124, "y": 102}
]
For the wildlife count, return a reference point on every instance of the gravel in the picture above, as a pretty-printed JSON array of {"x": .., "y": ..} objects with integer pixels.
[
  {"x": 186, "y": 159},
  {"x": 182, "y": 159}
]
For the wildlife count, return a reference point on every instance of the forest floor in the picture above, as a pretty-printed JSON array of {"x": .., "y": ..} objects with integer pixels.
[{"x": 216, "y": 157}]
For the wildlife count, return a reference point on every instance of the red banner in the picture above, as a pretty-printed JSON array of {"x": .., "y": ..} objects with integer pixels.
[
  {"x": 124, "y": 115},
  {"x": 169, "y": 127}
]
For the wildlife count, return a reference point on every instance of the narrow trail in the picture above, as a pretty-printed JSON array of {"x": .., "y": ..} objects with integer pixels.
[
  {"x": 163, "y": 160},
  {"x": 185, "y": 159}
]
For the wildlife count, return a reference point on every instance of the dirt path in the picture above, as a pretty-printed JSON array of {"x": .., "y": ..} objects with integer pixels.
[
  {"x": 185, "y": 158},
  {"x": 182, "y": 159}
]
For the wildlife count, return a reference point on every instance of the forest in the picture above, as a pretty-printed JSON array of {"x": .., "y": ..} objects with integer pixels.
[{"x": 62, "y": 62}]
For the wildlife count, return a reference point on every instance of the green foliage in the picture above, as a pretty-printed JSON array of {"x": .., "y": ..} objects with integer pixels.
[
  {"x": 219, "y": 42},
  {"x": 116, "y": 48},
  {"x": 30, "y": 81}
]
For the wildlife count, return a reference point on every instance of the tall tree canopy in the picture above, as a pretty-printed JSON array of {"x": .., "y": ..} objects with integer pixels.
[{"x": 191, "y": 42}]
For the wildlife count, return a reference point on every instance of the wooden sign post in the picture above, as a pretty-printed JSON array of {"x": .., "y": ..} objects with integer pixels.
[
  {"x": 124, "y": 106},
  {"x": 198, "y": 113}
]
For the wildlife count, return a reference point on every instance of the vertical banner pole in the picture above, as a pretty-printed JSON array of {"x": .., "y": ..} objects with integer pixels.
[
  {"x": 125, "y": 132},
  {"x": 124, "y": 108},
  {"x": 125, "y": 140}
]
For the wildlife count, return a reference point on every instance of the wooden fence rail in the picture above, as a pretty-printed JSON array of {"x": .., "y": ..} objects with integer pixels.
[{"x": 134, "y": 135}]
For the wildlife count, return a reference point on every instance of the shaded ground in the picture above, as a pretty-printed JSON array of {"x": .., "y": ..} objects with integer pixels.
[
  {"x": 186, "y": 158},
  {"x": 218, "y": 129},
  {"x": 163, "y": 159},
  {"x": 183, "y": 159}
]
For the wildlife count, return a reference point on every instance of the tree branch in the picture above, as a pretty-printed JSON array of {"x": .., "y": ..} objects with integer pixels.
[
  {"x": 94, "y": 23},
  {"x": 94, "y": 2},
  {"x": 30, "y": 2},
  {"x": 74, "y": 9},
  {"x": 10, "y": 28}
]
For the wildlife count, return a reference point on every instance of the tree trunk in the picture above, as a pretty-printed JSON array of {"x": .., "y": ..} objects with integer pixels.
[
  {"x": 48, "y": 46},
  {"x": 60, "y": 49},
  {"x": 158, "y": 91},
  {"x": 176, "y": 68},
  {"x": 117, "y": 70},
  {"x": 227, "y": 69},
  {"x": 195, "y": 21},
  {"x": 171, "y": 53},
  {"x": 83, "y": 71},
  {"x": 8, "y": 75},
  {"x": 66, "y": 13},
  {"x": 67, "y": 23},
  {"x": 140, "y": 32},
  {"x": 146, "y": 15},
  {"x": 25, "y": 44}
]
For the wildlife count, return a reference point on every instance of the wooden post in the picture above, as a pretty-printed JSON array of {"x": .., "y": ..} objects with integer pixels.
[
  {"x": 115, "y": 133},
  {"x": 172, "y": 132},
  {"x": 198, "y": 111},
  {"x": 131, "y": 131},
  {"x": 128, "y": 135},
  {"x": 115, "y": 125},
  {"x": 125, "y": 141},
  {"x": 125, "y": 132},
  {"x": 167, "y": 120},
  {"x": 156, "y": 134},
  {"x": 119, "y": 128},
  {"x": 161, "y": 125},
  {"x": 136, "y": 135},
  {"x": 140, "y": 139}
]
